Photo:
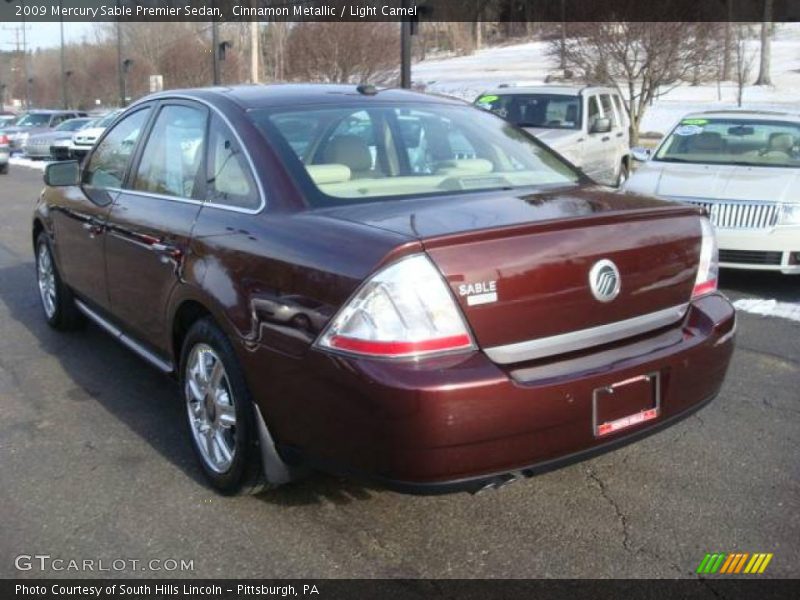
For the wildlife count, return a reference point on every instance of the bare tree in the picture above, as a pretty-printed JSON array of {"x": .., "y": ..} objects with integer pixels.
[
  {"x": 343, "y": 52},
  {"x": 743, "y": 58},
  {"x": 764, "y": 77},
  {"x": 642, "y": 60}
]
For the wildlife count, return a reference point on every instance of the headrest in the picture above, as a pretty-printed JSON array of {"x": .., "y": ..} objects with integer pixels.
[
  {"x": 782, "y": 142},
  {"x": 465, "y": 166},
  {"x": 349, "y": 150}
]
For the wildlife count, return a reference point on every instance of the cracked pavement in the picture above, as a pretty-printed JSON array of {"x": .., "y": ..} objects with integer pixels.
[{"x": 95, "y": 463}]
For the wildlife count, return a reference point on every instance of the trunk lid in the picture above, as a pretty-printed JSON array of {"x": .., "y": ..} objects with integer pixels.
[{"x": 519, "y": 266}]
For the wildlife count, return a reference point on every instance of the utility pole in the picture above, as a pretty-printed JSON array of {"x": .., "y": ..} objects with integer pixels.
[
  {"x": 405, "y": 51},
  {"x": 63, "y": 61},
  {"x": 215, "y": 52},
  {"x": 24, "y": 28},
  {"x": 254, "y": 51},
  {"x": 120, "y": 74}
]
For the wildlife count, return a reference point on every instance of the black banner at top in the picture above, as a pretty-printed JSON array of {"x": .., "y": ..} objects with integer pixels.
[{"x": 400, "y": 10}]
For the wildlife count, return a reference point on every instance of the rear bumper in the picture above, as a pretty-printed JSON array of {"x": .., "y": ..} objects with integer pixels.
[
  {"x": 777, "y": 249},
  {"x": 462, "y": 423}
]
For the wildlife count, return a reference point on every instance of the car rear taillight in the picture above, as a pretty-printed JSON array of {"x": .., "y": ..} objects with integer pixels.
[
  {"x": 404, "y": 310},
  {"x": 708, "y": 270},
  {"x": 3, "y": 139}
]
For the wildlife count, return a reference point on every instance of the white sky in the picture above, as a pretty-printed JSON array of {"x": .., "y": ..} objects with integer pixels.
[{"x": 44, "y": 35}]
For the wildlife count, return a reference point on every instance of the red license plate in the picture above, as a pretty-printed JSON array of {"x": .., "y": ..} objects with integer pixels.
[{"x": 626, "y": 404}]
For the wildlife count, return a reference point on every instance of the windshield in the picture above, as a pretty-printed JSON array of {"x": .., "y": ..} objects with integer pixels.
[
  {"x": 547, "y": 111},
  {"x": 383, "y": 151},
  {"x": 73, "y": 124},
  {"x": 749, "y": 142},
  {"x": 34, "y": 120},
  {"x": 7, "y": 120}
]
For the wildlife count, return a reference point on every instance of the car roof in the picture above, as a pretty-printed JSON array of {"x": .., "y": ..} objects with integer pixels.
[
  {"x": 566, "y": 90},
  {"x": 294, "y": 94},
  {"x": 756, "y": 115},
  {"x": 50, "y": 111}
]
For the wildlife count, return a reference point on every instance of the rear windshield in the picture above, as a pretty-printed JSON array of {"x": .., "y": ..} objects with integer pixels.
[
  {"x": 748, "y": 142},
  {"x": 546, "y": 111},
  {"x": 348, "y": 153},
  {"x": 34, "y": 120}
]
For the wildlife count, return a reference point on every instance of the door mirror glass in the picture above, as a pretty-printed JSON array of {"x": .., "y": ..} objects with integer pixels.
[
  {"x": 60, "y": 174},
  {"x": 601, "y": 125},
  {"x": 641, "y": 154}
]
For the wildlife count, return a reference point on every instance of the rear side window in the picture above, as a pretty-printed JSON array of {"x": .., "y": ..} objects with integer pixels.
[
  {"x": 172, "y": 159},
  {"x": 608, "y": 109},
  {"x": 228, "y": 177},
  {"x": 620, "y": 108},
  {"x": 107, "y": 166}
]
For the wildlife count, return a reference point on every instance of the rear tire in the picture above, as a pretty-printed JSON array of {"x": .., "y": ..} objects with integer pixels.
[
  {"x": 219, "y": 410},
  {"x": 57, "y": 300},
  {"x": 4, "y": 169}
]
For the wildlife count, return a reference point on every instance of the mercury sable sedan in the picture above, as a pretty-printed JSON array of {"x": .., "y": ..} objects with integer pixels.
[
  {"x": 743, "y": 167},
  {"x": 467, "y": 320}
]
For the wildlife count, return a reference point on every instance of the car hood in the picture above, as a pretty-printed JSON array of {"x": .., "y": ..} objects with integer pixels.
[
  {"x": 89, "y": 133},
  {"x": 719, "y": 182},
  {"x": 51, "y": 136},
  {"x": 556, "y": 138}
]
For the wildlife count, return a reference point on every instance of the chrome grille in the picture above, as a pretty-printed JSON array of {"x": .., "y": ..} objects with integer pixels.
[{"x": 740, "y": 215}]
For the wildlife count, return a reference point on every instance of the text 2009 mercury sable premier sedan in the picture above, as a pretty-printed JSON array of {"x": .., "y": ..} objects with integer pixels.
[{"x": 381, "y": 283}]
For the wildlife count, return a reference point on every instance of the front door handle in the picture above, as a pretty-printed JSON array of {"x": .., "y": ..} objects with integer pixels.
[
  {"x": 605, "y": 139},
  {"x": 93, "y": 227}
]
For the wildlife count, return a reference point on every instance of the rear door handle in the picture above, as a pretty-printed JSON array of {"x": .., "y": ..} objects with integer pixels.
[
  {"x": 620, "y": 134},
  {"x": 605, "y": 139}
]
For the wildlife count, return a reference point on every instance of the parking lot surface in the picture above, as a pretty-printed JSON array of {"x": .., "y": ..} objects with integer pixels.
[{"x": 96, "y": 463}]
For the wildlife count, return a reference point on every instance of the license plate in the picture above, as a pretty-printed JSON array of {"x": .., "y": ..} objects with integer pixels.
[{"x": 625, "y": 404}]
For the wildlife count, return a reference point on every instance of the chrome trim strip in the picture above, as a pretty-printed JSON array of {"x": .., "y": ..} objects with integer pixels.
[
  {"x": 585, "y": 338},
  {"x": 116, "y": 332}
]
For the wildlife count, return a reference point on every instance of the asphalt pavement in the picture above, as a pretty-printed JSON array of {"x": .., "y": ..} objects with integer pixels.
[{"x": 96, "y": 464}]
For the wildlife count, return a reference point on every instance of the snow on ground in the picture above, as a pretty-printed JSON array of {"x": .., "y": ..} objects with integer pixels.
[
  {"x": 19, "y": 161},
  {"x": 468, "y": 76},
  {"x": 769, "y": 308}
]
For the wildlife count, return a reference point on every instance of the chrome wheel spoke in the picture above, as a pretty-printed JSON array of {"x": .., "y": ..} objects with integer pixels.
[{"x": 210, "y": 408}]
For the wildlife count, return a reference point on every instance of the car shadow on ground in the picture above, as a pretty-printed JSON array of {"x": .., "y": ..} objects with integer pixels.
[
  {"x": 760, "y": 284},
  {"x": 106, "y": 372}
]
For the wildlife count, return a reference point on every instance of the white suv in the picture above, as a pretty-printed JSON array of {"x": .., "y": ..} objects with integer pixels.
[{"x": 586, "y": 124}]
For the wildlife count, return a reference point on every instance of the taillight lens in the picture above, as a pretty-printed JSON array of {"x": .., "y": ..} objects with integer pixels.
[
  {"x": 404, "y": 310},
  {"x": 708, "y": 270},
  {"x": 3, "y": 139}
]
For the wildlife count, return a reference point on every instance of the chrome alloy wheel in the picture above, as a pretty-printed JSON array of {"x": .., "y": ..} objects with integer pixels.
[
  {"x": 210, "y": 407},
  {"x": 47, "y": 280}
]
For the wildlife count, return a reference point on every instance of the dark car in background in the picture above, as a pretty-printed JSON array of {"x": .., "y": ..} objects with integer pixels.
[
  {"x": 473, "y": 309},
  {"x": 36, "y": 121},
  {"x": 41, "y": 145}
]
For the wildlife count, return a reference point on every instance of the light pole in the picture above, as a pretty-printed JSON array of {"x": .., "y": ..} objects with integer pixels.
[
  {"x": 25, "y": 55},
  {"x": 126, "y": 66},
  {"x": 2, "y": 97},
  {"x": 67, "y": 75},
  {"x": 120, "y": 67}
]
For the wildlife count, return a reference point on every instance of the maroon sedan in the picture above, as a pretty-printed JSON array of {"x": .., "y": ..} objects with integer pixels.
[{"x": 382, "y": 284}]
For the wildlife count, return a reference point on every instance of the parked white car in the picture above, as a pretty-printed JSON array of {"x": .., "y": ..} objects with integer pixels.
[
  {"x": 84, "y": 140},
  {"x": 586, "y": 124},
  {"x": 743, "y": 167}
]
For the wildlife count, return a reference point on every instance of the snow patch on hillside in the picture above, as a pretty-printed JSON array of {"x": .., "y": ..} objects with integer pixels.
[{"x": 466, "y": 77}]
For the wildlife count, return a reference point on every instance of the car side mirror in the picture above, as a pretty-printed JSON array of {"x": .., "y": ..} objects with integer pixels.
[
  {"x": 601, "y": 125},
  {"x": 641, "y": 154},
  {"x": 61, "y": 174}
]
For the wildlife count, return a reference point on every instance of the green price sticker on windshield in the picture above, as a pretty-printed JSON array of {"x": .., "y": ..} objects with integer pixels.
[
  {"x": 694, "y": 122},
  {"x": 488, "y": 99}
]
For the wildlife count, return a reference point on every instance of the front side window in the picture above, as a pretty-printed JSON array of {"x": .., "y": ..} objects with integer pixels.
[
  {"x": 547, "y": 111},
  {"x": 109, "y": 161},
  {"x": 608, "y": 109},
  {"x": 173, "y": 155},
  {"x": 228, "y": 177},
  {"x": 387, "y": 151},
  {"x": 749, "y": 142}
]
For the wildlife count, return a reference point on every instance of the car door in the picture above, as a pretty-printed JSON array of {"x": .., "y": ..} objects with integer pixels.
[
  {"x": 614, "y": 151},
  {"x": 151, "y": 221},
  {"x": 596, "y": 145},
  {"x": 80, "y": 213}
]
